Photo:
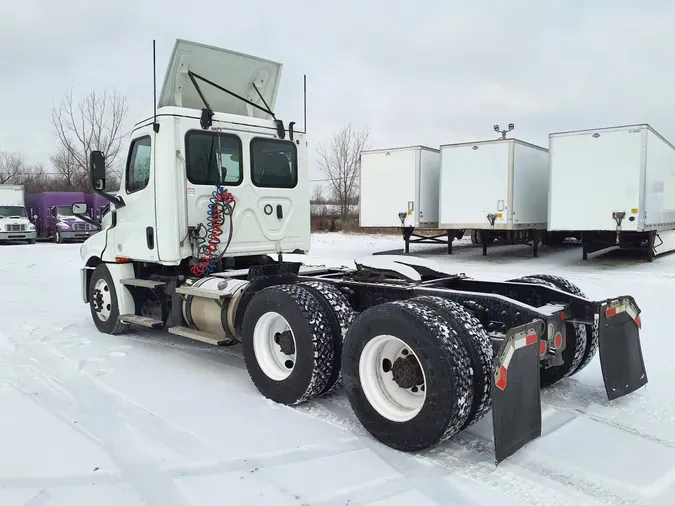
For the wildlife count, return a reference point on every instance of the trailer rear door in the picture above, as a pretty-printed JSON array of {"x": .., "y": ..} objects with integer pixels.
[
  {"x": 474, "y": 183},
  {"x": 389, "y": 187},
  {"x": 593, "y": 174}
]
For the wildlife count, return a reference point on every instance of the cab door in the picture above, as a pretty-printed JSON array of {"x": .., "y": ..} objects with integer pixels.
[{"x": 134, "y": 233}]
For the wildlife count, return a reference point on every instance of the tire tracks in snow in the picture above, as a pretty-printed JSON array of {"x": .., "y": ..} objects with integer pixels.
[
  {"x": 473, "y": 458},
  {"x": 75, "y": 400},
  {"x": 576, "y": 398},
  {"x": 113, "y": 422}
]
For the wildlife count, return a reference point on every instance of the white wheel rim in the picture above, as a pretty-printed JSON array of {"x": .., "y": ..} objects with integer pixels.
[
  {"x": 390, "y": 400},
  {"x": 102, "y": 300},
  {"x": 275, "y": 363}
]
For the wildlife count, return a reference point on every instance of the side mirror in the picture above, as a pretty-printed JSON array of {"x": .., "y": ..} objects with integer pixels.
[
  {"x": 79, "y": 208},
  {"x": 35, "y": 217},
  {"x": 97, "y": 169}
]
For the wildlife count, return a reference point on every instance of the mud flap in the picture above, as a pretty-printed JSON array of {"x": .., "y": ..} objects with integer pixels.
[
  {"x": 516, "y": 402},
  {"x": 623, "y": 367}
]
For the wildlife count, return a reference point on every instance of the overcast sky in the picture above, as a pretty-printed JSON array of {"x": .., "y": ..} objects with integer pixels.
[{"x": 425, "y": 72}]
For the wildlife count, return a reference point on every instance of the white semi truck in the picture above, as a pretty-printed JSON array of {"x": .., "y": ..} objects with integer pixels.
[
  {"x": 14, "y": 222},
  {"x": 216, "y": 192}
]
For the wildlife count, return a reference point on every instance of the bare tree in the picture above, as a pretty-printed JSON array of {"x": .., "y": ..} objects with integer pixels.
[
  {"x": 69, "y": 173},
  {"x": 12, "y": 167},
  {"x": 339, "y": 160},
  {"x": 94, "y": 123},
  {"x": 14, "y": 170},
  {"x": 317, "y": 194}
]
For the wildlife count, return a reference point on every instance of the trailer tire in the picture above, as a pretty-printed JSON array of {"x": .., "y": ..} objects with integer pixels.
[
  {"x": 403, "y": 417},
  {"x": 296, "y": 309},
  {"x": 590, "y": 330},
  {"x": 574, "y": 352},
  {"x": 340, "y": 315},
  {"x": 103, "y": 302},
  {"x": 478, "y": 346}
]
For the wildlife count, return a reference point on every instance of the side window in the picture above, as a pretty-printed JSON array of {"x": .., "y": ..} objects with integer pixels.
[
  {"x": 274, "y": 163},
  {"x": 213, "y": 158},
  {"x": 138, "y": 165}
]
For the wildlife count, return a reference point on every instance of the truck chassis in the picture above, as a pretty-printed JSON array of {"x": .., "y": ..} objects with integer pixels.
[{"x": 421, "y": 358}]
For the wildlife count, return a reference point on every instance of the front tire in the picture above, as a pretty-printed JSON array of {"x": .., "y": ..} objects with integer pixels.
[
  {"x": 407, "y": 378},
  {"x": 288, "y": 344},
  {"x": 103, "y": 302}
]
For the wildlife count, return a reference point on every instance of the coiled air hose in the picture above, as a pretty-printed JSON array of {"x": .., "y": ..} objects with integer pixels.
[{"x": 221, "y": 204}]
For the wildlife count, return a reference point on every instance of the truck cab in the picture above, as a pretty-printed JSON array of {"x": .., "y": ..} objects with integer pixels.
[
  {"x": 213, "y": 131},
  {"x": 15, "y": 224}
]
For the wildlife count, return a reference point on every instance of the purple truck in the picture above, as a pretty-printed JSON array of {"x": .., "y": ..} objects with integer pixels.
[
  {"x": 97, "y": 205},
  {"x": 53, "y": 218}
]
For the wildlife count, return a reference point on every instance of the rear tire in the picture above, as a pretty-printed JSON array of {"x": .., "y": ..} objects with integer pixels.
[
  {"x": 576, "y": 347},
  {"x": 477, "y": 343},
  {"x": 396, "y": 338},
  {"x": 340, "y": 314},
  {"x": 592, "y": 331},
  {"x": 103, "y": 302},
  {"x": 275, "y": 317}
]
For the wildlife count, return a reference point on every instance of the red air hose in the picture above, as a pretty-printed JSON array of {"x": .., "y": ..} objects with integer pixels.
[{"x": 221, "y": 203}]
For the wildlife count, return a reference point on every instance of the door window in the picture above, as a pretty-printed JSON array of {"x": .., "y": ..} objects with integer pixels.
[
  {"x": 138, "y": 165},
  {"x": 213, "y": 158},
  {"x": 274, "y": 163}
]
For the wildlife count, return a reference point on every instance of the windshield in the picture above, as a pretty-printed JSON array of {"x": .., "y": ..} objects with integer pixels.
[
  {"x": 7, "y": 211},
  {"x": 64, "y": 211}
]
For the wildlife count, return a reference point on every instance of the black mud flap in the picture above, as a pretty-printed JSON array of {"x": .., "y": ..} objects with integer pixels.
[
  {"x": 623, "y": 367},
  {"x": 516, "y": 401}
]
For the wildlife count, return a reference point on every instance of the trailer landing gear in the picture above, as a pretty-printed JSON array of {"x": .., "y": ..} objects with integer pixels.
[{"x": 449, "y": 235}]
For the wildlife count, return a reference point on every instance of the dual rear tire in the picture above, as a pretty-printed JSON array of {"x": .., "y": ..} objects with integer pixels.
[
  {"x": 415, "y": 372},
  {"x": 582, "y": 339},
  {"x": 293, "y": 340}
]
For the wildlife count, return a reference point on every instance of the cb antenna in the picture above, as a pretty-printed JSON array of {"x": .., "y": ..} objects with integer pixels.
[
  {"x": 155, "y": 125},
  {"x": 504, "y": 132},
  {"x": 304, "y": 99}
]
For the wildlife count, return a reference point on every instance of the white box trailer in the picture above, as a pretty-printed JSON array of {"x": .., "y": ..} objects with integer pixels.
[
  {"x": 614, "y": 185},
  {"x": 496, "y": 187},
  {"x": 399, "y": 189}
]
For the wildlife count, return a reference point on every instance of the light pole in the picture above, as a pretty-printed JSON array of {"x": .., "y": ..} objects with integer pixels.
[{"x": 504, "y": 132}]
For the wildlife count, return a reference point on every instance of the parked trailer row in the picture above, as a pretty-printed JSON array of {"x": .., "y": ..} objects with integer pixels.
[
  {"x": 220, "y": 184},
  {"x": 513, "y": 190}
]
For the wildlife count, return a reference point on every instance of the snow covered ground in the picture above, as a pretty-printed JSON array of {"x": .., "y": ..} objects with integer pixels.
[{"x": 148, "y": 418}]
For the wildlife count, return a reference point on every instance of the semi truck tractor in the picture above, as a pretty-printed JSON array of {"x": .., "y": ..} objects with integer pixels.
[
  {"x": 214, "y": 198},
  {"x": 14, "y": 222},
  {"x": 54, "y": 218}
]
